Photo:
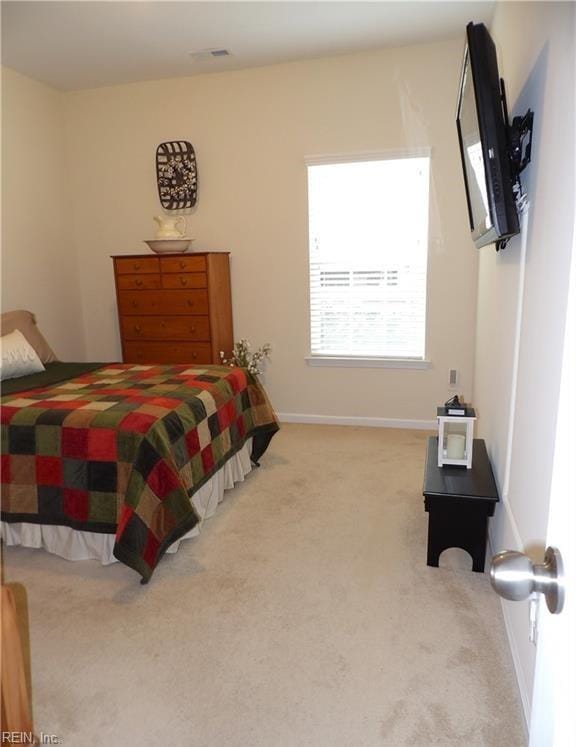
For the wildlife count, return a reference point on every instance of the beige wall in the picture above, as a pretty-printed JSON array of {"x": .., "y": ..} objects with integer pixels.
[
  {"x": 522, "y": 295},
  {"x": 38, "y": 262},
  {"x": 251, "y": 130}
]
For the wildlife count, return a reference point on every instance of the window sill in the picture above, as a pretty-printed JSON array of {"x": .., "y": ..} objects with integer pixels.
[{"x": 360, "y": 362}]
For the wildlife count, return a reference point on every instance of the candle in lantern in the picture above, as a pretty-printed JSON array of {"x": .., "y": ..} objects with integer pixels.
[{"x": 455, "y": 445}]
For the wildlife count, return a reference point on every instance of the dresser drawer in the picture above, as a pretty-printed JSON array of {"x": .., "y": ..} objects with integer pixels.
[
  {"x": 137, "y": 264},
  {"x": 167, "y": 352},
  {"x": 136, "y": 282},
  {"x": 163, "y": 302},
  {"x": 165, "y": 328},
  {"x": 185, "y": 280},
  {"x": 183, "y": 264}
]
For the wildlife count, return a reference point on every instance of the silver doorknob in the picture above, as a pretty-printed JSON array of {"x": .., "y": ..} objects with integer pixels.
[{"x": 514, "y": 576}]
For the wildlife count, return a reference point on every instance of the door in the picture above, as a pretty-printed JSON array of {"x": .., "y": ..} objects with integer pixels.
[{"x": 553, "y": 723}]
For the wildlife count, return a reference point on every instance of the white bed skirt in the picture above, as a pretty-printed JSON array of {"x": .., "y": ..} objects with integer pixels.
[{"x": 74, "y": 544}]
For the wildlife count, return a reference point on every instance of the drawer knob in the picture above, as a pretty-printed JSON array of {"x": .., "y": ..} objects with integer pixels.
[
  {"x": 137, "y": 328},
  {"x": 137, "y": 266},
  {"x": 184, "y": 281},
  {"x": 192, "y": 329},
  {"x": 190, "y": 303},
  {"x": 194, "y": 356},
  {"x": 135, "y": 304},
  {"x": 182, "y": 265},
  {"x": 139, "y": 281}
]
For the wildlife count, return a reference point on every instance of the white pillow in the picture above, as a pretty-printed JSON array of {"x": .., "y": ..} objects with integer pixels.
[{"x": 18, "y": 356}]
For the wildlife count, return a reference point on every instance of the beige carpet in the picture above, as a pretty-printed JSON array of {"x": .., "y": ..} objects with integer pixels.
[{"x": 305, "y": 614}]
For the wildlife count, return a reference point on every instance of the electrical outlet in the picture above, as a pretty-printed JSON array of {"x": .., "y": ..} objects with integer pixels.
[{"x": 453, "y": 378}]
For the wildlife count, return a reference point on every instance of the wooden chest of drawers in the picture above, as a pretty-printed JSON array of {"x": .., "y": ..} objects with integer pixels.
[{"x": 174, "y": 308}]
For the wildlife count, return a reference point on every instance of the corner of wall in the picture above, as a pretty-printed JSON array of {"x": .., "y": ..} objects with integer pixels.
[{"x": 39, "y": 271}]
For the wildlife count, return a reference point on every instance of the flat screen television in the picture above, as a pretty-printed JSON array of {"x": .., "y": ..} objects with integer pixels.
[{"x": 483, "y": 133}]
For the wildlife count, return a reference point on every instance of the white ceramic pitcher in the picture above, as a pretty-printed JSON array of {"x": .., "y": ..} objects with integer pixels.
[{"x": 168, "y": 227}]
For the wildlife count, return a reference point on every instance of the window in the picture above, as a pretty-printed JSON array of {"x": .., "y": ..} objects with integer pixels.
[{"x": 368, "y": 256}]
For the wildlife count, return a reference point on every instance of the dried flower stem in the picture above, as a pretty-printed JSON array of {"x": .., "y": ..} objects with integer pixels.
[{"x": 243, "y": 357}]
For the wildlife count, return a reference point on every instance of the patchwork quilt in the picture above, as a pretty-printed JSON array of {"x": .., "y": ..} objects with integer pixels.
[{"x": 121, "y": 449}]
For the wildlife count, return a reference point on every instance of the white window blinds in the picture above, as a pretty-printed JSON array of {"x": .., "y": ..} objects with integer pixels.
[{"x": 368, "y": 257}]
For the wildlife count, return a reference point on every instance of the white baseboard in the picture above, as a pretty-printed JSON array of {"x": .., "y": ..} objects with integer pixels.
[
  {"x": 512, "y": 529},
  {"x": 524, "y": 697},
  {"x": 296, "y": 417}
]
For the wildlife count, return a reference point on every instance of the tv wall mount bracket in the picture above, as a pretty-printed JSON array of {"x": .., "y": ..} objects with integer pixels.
[
  {"x": 520, "y": 142},
  {"x": 519, "y": 146}
]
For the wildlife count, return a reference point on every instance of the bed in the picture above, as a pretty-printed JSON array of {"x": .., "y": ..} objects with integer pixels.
[{"x": 123, "y": 461}]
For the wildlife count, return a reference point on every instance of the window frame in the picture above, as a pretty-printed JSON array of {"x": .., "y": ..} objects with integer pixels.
[{"x": 356, "y": 361}]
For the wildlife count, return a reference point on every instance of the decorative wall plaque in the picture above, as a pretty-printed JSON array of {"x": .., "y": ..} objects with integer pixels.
[{"x": 176, "y": 174}]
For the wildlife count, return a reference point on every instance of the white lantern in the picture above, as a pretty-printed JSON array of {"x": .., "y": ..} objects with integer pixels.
[{"x": 455, "y": 436}]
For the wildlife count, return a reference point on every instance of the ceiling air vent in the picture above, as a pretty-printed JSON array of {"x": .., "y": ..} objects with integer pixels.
[{"x": 205, "y": 54}]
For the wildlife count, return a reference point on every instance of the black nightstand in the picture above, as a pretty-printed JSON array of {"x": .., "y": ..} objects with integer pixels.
[{"x": 459, "y": 503}]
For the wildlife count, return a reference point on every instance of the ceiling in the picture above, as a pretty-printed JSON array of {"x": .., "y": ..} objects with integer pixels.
[{"x": 83, "y": 44}]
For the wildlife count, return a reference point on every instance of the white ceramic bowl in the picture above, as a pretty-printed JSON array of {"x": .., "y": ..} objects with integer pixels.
[{"x": 166, "y": 246}]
